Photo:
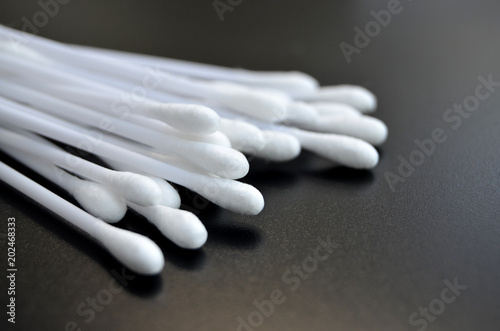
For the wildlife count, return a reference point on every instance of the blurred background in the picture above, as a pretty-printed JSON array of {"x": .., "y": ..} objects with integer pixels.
[{"x": 395, "y": 249}]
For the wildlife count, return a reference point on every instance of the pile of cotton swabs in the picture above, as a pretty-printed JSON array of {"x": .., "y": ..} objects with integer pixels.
[{"x": 154, "y": 120}]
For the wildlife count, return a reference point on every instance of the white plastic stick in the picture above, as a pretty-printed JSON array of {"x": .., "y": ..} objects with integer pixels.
[
  {"x": 135, "y": 251},
  {"x": 93, "y": 197}
]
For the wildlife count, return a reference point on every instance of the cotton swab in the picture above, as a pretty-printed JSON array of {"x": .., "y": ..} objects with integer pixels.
[
  {"x": 135, "y": 251},
  {"x": 230, "y": 194},
  {"x": 192, "y": 118},
  {"x": 356, "y": 96},
  {"x": 180, "y": 226},
  {"x": 237, "y": 97},
  {"x": 333, "y": 108},
  {"x": 131, "y": 186},
  {"x": 216, "y": 138},
  {"x": 366, "y": 128},
  {"x": 93, "y": 197},
  {"x": 170, "y": 196},
  {"x": 296, "y": 84},
  {"x": 213, "y": 158}
]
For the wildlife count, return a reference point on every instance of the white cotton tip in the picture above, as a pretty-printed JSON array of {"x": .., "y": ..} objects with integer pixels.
[
  {"x": 279, "y": 147},
  {"x": 180, "y": 226},
  {"x": 195, "y": 119},
  {"x": 233, "y": 195},
  {"x": 300, "y": 113},
  {"x": 294, "y": 83},
  {"x": 353, "y": 95},
  {"x": 170, "y": 196},
  {"x": 243, "y": 136},
  {"x": 334, "y": 108},
  {"x": 99, "y": 201},
  {"x": 369, "y": 129},
  {"x": 138, "y": 253},
  {"x": 259, "y": 104},
  {"x": 136, "y": 188},
  {"x": 218, "y": 160},
  {"x": 347, "y": 151}
]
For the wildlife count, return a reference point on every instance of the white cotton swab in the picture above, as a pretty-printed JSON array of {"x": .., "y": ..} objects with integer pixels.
[
  {"x": 93, "y": 197},
  {"x": 353, "y": 95},
  {"x": 131, "y": 186},
  {"x": 180, "y": 226},
  {"x": 243, "y": 136},
  {"x": 135, "y": 251},
  {"x": 369, "y": 129},
  {"x": 333, "y": 108},
  {"x": 246, "y": 100},
  {"x": 344, "y": 150},
  {"x": 216, "y": 138},
  {"x": 227, "y": 193},
  {"x": 248, "y": 138},
  {"x": 347, "y": 151},
  {"x": 170, "y": 196},
  {"x": 294, "y": 83},
  {"x": 214, "y": 158},
  {"x": 197, "y": 119}
]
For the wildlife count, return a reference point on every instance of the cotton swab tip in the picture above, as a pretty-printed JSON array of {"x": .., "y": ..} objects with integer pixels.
[
  {"x": 136, "y": 188},
  {"x": 279, "y": 147},
  {"x": 99, "y": 201},
  {"x": 235, "y": 196},
  {"x": 259, "y": 104},
  {"x": 356, "y": 96},
  {"x": 189, "y": 118},
  {"x": 140, "y": 254},
  {"x": 180, "y": 226}
]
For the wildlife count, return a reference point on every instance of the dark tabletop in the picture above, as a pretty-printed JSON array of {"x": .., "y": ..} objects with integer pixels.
[{"x": 412, "y": 247}]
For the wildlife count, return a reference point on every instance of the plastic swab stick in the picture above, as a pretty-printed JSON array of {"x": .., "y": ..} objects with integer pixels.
[
  {"x": 135, "y": 251},
  {"x": 93, "y": 197},
  {"x": 356, "y": 96},
  {"x": 227, "y": 193},
  {"x": 192, "y": 118},
  {"x": 296, "y": 84},
  {"x": 131, "y": 186},
  {"x": 214, "y": 158}
]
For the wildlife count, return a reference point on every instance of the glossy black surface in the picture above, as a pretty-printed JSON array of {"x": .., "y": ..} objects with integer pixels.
[{"x": 394, "y": 250}]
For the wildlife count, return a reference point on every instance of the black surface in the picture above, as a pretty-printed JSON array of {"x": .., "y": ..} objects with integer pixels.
[{"x": 394, "y": 250}]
